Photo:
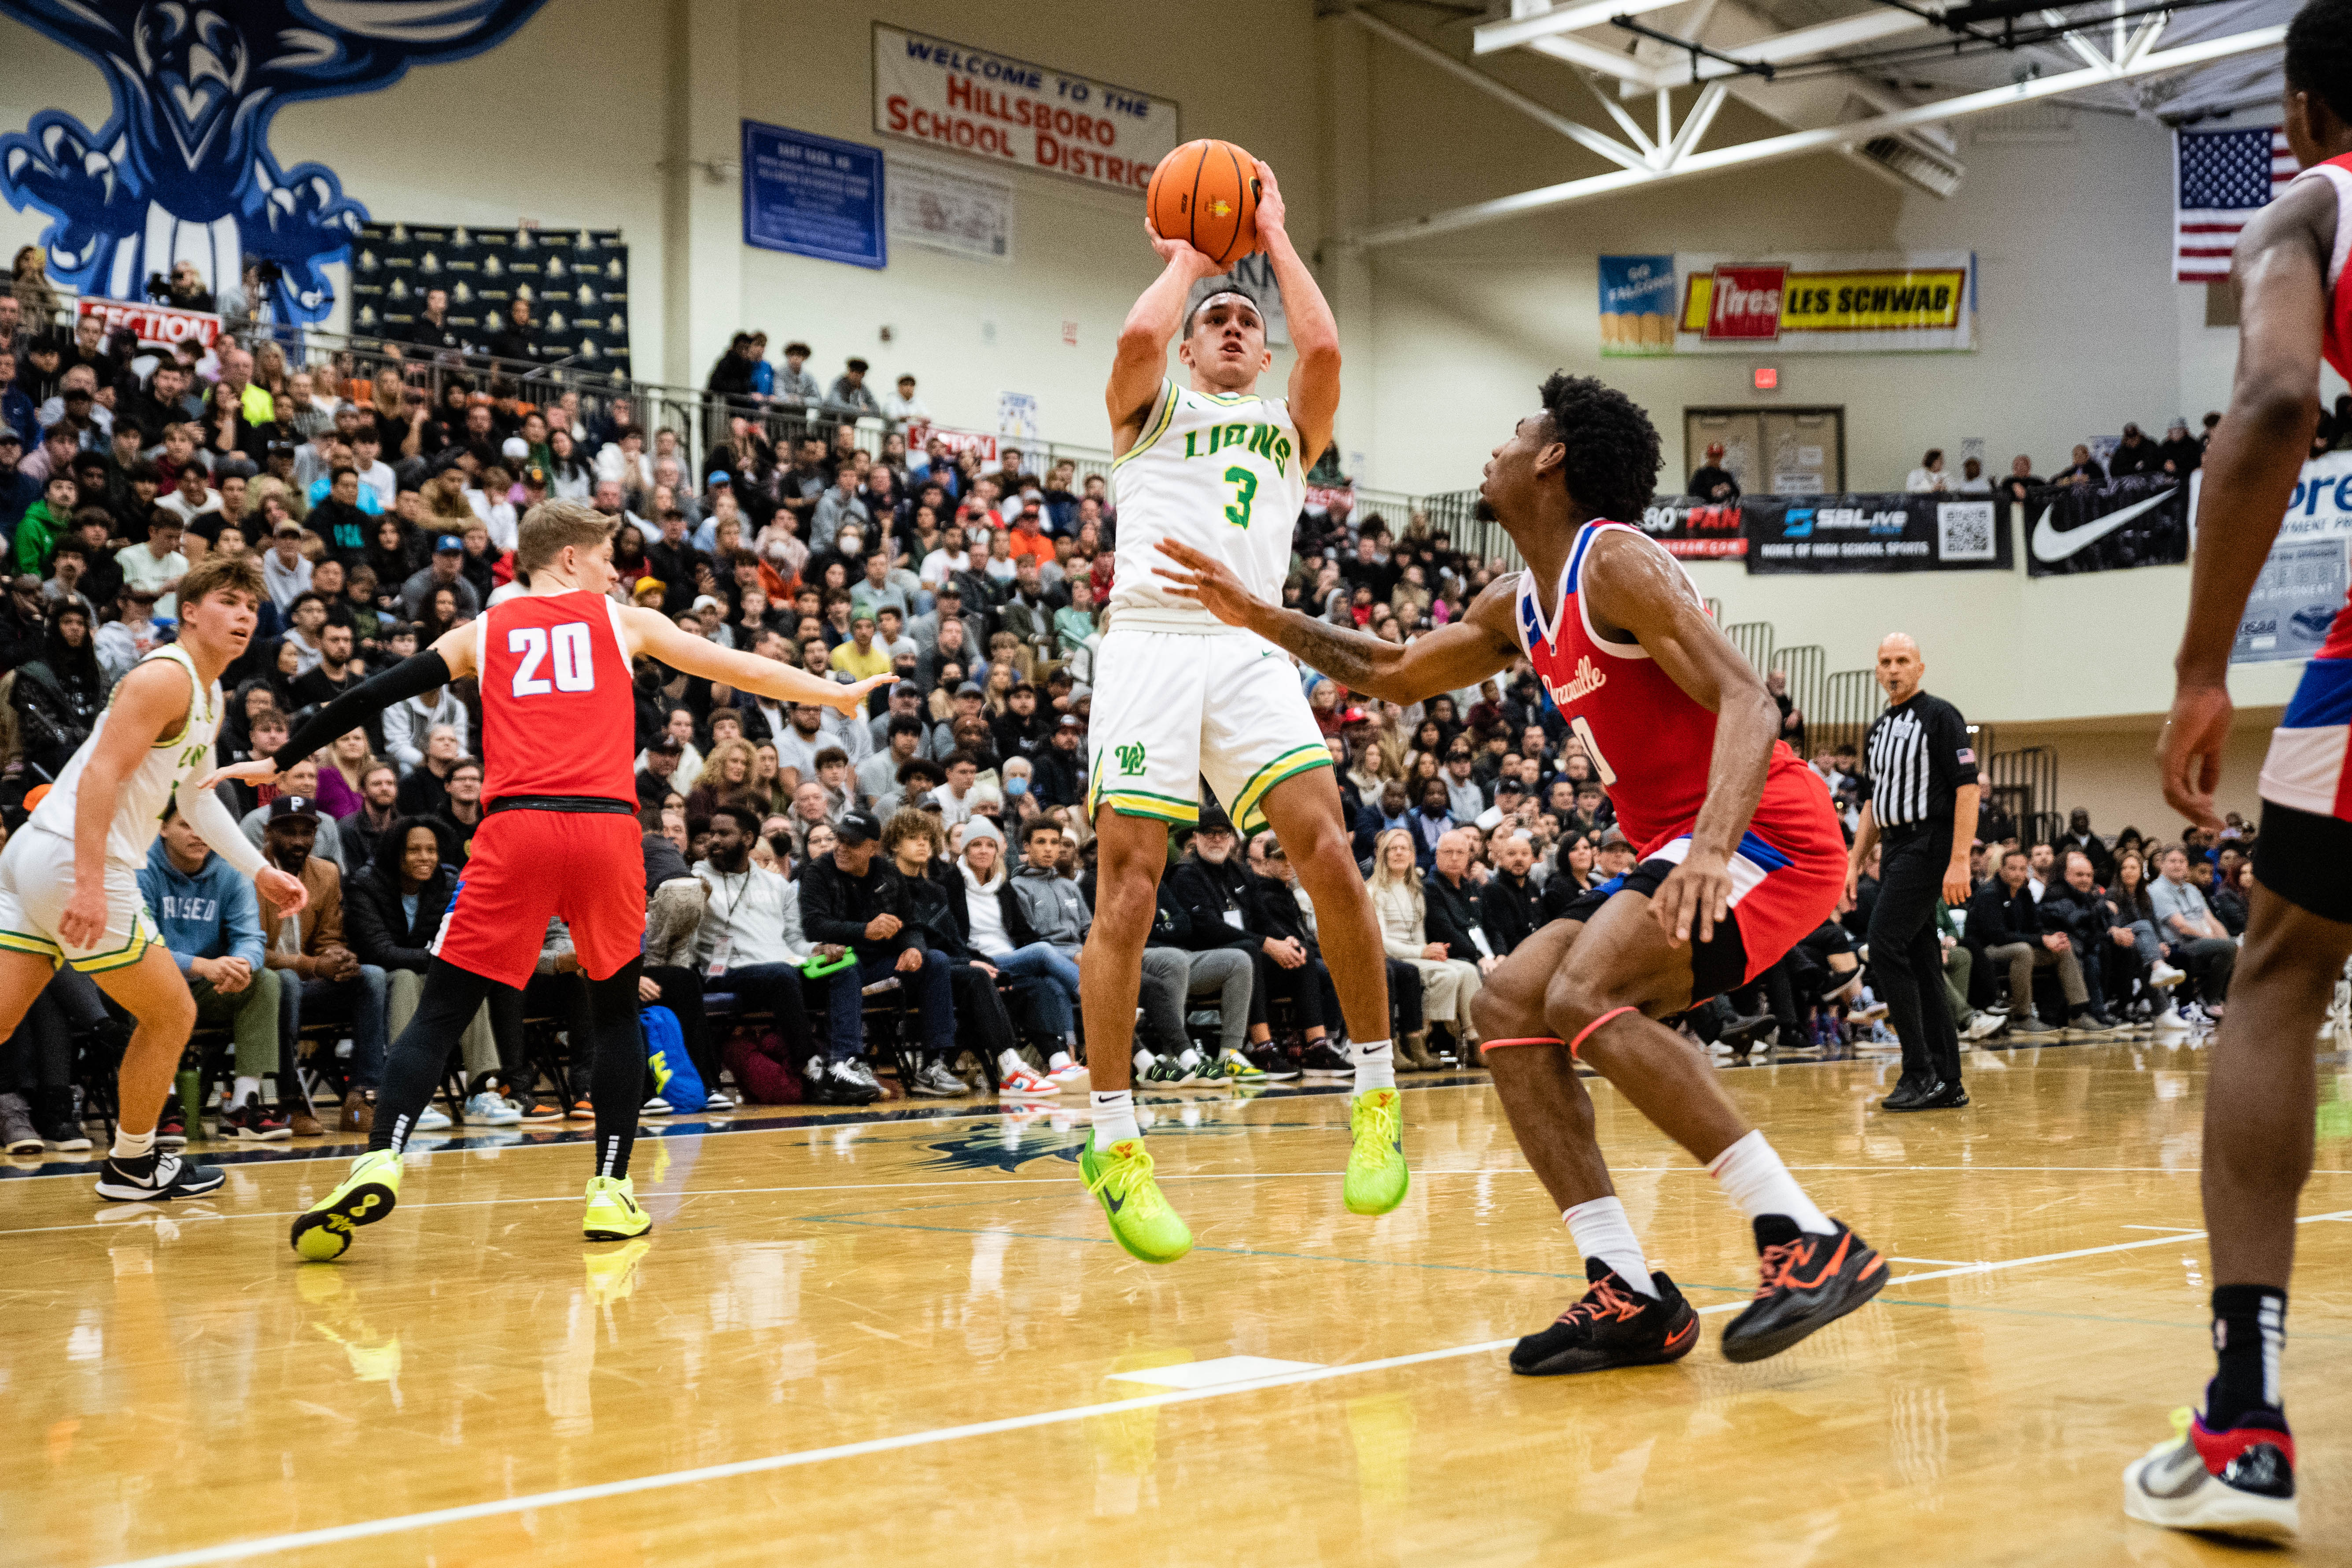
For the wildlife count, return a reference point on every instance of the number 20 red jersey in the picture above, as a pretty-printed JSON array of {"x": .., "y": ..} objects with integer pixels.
[{"x": 559, "y": 708}]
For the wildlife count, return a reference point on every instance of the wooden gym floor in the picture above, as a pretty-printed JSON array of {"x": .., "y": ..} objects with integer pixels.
[{"x": 904, "y": 1337}]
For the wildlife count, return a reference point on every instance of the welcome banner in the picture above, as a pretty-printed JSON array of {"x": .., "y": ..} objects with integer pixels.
[
  {"x": 962, "y": 98},
  {"x": 1805, "y": 302}
]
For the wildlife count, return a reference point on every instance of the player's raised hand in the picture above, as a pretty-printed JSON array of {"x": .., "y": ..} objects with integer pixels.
[
  {"x": 1697, "y": 892},
  {"x": 1174, "y": 251},
  {"x": 1207, "y": 581},
  {"x": 281, "y": 889},
  {"x": 853, "y": 697},
  {"x": 1271, "y": 213},
  {"x": 2189, "y": 754},
  {"x": 257, "y": 771}
]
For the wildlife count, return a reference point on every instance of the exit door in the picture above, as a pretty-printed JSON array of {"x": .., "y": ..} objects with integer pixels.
[{"x": 1771, "y": 451}]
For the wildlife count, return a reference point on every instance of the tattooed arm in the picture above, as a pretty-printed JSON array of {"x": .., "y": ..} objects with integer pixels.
[{"x": 1481, "y": 644}]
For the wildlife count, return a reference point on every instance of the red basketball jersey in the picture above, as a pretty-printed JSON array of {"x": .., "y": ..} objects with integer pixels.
[
  {"x": 559, "y": 711},
  {"x": 1649, "y": 743},
  {"x": 2336, "y": 339}
]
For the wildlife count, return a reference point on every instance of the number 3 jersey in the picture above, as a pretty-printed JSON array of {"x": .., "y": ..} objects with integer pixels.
[
  {"x": 558, "y": 709},
  {"x": 1219, "y": 472}
]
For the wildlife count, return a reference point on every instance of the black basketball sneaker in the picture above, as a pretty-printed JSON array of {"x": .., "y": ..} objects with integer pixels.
[
  {"x": 1612, "y": 1325},
  {"x": 2238, "y": 1481},
  {"x": 1809, "y": 1283}
]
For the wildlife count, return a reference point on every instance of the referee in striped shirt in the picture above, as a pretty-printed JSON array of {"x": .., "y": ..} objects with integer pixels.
[{"x": 1922, "y": 812}]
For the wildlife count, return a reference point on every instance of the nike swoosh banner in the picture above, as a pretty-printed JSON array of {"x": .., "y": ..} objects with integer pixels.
[
  {"x": 2142, "y": 521},
  {"x": 1876, "y": 533}
]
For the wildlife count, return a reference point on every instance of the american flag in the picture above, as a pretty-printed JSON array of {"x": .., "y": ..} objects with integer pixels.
[{"x": 2221, "y": 179}]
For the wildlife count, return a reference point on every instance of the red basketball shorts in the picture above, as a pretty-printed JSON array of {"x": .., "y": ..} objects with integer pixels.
[{"x": 587, "y": 868}]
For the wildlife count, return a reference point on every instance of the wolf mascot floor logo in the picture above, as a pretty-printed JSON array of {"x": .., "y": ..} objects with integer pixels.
[{"x": 183, "y": 170}]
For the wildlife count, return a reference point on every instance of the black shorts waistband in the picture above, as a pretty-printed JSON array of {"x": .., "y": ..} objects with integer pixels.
[{"x": 584, "y": 805}]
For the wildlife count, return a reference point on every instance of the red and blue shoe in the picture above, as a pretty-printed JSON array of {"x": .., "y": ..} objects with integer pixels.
[{"x": 2238, "y": 1481}]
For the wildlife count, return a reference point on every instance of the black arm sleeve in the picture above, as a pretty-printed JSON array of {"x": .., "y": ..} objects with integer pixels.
[{"x": 412, "y": 676}]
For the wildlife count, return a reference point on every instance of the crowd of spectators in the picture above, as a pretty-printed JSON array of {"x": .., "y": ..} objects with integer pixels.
[{"x": 933, "y": 852}]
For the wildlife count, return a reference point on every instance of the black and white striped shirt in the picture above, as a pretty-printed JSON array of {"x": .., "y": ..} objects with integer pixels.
[{"x": 1918, "y": 755}]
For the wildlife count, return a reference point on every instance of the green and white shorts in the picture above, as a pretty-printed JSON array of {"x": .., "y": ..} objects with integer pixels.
[
  {"x": 36, "y": 881},
  {"x": 1173, "y": 707}
]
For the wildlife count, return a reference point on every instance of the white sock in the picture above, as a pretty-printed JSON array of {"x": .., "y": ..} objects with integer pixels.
[
  {"x": 129, "y": 1145},
  {"x": 244, "y": 1087},
  {"x": 1006, "y": 1062},
  {"x": 1114, "y": 1111},
  {"x": 1375, "y": 1065},
  {"x": 1602, "y": 1231},
  {"x": 1143, "y": 1060},
  {"x": 1751, "y": 1175},
  {"x": 1060, "y": 1060}
]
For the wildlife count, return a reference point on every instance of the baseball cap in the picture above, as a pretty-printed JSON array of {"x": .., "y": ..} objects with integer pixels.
[
  {"x": 702, "y": 599},
  {"x": 1511, "y": 786},
  {"x": 1213, "y": 820},
  {"x": 1715, "y": 448},
  {"x": 1070, "y": 722},
  {"x": 856, "y": 827},
  {"x": 718, "y": 476},
  {"x": 969, "y": 689},
  {"x": 535, "y": 477},
  {"x": 448, "y": 544},
  {"x": 667, "y": 743},
  {"x": 1614, "y": 838},
  {"x": 287, "y": 805},
  {"x": 515, "y": 446},
  {"x": 8, "y": 437},
  {"x": 1355, "y": 716}
]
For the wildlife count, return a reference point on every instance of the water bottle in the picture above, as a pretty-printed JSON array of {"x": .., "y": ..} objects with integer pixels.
[{"x": 192, "y": 1101}]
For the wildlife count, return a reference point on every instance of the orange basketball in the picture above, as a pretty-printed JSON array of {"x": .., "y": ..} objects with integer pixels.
[{"x": 1205, "y": 194}]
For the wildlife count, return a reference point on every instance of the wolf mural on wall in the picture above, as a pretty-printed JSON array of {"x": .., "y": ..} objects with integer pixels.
[{"x": 184, "y": 168}]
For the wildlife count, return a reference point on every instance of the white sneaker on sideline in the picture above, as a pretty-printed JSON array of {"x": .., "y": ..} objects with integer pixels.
[
  {"x": 433, "y": 1119},
  {"x": 490, "y": 1108},
  {"x": 1068, "y": 1073},
  {"x": 2164, "y": 976},
  {"x": 1021, "y": 1081}
]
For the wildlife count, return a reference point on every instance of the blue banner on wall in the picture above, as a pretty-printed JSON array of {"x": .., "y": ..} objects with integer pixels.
[{"x": 812, "y": 195}]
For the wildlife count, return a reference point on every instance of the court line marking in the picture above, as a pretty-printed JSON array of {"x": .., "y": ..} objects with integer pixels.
[
  {"x": 2176, "y": 1229},
  {"x": 364, "y": 1529},
  {"x": 398, "y": 1524}
]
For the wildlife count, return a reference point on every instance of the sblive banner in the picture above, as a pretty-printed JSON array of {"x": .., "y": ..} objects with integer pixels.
[
  {"x": 1696, "y": 529},
  {"x": 1815, "y": 303},
  {"x": 1876, "y": 533},
  {"x": 2303, "y": 583},
  {"x": 2139, "y": 520},
  {"x": 965, "y": 98},
  {"x": 576, "y": 280}
]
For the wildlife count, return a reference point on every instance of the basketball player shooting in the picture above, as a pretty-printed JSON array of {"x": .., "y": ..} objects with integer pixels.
[
  {"x": 559, "y": 836},
  {"x": 1741, "y": 857},
  {"x": 2230, "y": 1468},
  {"x": 1209, "y": 463}
]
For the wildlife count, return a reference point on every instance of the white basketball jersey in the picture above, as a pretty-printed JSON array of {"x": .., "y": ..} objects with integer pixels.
[
  {"x": 139, "y": 809},
  {"x": 1221, "y": 472}
]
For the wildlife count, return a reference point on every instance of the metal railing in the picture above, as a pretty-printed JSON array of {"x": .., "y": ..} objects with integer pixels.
[
  {"x": 2024, "y": 784},
  {"x": 1850, "y": 700},
  {"x": 1754, "y": 641},
  {"x": 1806, "y": 665}
]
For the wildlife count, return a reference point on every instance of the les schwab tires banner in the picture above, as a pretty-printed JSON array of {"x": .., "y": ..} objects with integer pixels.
[
  {"x": 1876, "y": 533},
  {"x": 2141, "y": 520}
]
